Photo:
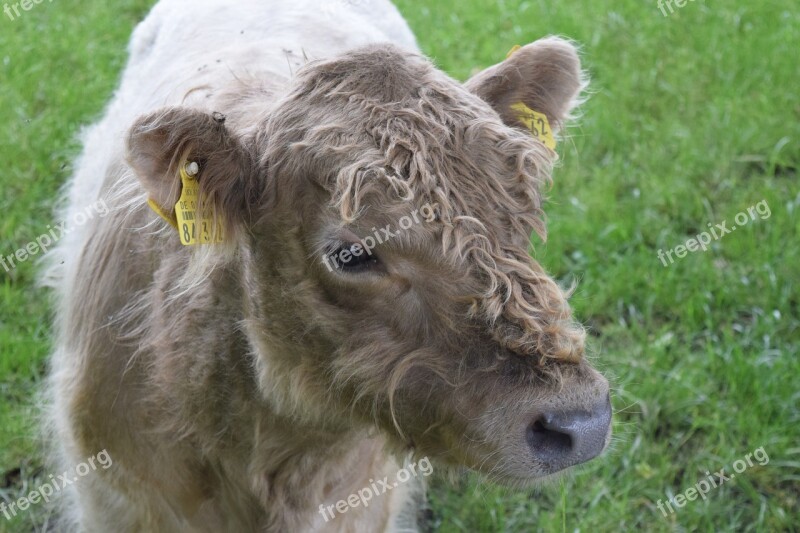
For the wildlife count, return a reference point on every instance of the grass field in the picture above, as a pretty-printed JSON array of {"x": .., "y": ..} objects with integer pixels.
[{"x": 694, "y": 118}]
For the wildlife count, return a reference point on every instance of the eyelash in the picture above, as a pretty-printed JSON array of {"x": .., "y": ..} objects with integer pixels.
[{"x": 350, "y": 258}]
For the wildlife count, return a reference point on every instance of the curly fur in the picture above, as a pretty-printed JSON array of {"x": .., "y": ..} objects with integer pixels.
[{"x": 239, "y": 386}]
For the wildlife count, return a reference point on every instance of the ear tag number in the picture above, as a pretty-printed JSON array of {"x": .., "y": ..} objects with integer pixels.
[
  {"x": 193, "y": 228},
  {"x": 537, "y": 123}
]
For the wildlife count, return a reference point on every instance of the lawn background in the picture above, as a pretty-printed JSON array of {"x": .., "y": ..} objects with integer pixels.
[{"x": 694, "y": 117}]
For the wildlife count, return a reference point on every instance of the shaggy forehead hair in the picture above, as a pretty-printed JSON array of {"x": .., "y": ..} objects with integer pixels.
[{"x": 382, "y": 127}]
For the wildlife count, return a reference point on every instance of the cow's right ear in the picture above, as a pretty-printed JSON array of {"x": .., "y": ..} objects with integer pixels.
[
  {"x": 544, "y": 76},
  {"x": 160, "y": 142}
]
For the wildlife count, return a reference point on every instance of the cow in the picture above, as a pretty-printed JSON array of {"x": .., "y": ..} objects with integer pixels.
[{"x": 316, "y": 270}]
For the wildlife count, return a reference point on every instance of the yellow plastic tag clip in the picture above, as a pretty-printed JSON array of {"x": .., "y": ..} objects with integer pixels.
[
  {"x": 513, "y": 49},
  {"x": 160, "y": 212}
]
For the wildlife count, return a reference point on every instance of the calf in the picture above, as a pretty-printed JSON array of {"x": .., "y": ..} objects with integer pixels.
[{"x": 357, "y": 290}]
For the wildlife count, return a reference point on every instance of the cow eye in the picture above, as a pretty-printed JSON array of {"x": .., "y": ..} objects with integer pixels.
[{"x": 351, "y": 258}]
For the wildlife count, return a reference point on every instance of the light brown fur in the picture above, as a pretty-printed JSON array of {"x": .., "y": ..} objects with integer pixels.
[{"x": 239, "y": 386}]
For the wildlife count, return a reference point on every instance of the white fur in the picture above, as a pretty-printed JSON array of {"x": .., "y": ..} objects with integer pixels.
[
  {"x": 183, "y": 52},
  {"x": 185, "y": 49}
]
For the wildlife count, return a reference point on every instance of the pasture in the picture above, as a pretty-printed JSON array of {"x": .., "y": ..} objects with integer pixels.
[{"x": 693, "y": 118}]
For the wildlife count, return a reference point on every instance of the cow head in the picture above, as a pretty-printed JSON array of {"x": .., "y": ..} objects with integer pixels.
[{"x": 379, "y": 215}]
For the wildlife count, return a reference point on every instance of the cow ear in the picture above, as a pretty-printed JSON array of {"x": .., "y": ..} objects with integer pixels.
[
  {"x": 545, "y": 76},
  {"x": 159, "y": 143}
]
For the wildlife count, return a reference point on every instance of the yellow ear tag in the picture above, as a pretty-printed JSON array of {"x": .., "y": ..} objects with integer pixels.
[
  {"x": 537, "y": 123},
  {"x": 160, "y": 212},
  {"x": 513, "y": 49},
  {"x": 192, "y": 228}
]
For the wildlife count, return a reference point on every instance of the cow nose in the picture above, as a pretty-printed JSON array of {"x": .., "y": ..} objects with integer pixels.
[{"x": 561, "y": 439}]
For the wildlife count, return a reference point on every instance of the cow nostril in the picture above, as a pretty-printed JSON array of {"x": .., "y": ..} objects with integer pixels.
[
  {"x": 549, "y": 442},
  {"x": 561, "y": 439}
]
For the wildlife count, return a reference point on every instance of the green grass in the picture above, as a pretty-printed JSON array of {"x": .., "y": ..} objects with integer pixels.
[{"x": 693, "y": 118}]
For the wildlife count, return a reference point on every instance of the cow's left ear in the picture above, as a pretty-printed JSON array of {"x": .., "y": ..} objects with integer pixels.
[
  {"x": 160, "y": 142},
  {"x": 545, "y": 76}
]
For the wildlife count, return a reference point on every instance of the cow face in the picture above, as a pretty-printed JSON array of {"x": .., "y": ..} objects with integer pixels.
[{"x": 379, "y": 219}]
